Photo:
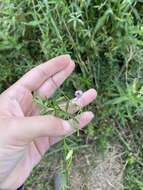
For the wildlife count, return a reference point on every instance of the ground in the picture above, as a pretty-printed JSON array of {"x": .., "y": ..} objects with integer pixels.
[{"x": 91, "y": 170}]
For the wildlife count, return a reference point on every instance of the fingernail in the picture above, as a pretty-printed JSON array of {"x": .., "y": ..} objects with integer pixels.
[
  {"x": 93, "y": 92},
  {"x": 86, "y": 118},
  {"x": 66, "y": 126},
  {"x": 92, "y": 115},
  {"x": 68, "y": 55}
]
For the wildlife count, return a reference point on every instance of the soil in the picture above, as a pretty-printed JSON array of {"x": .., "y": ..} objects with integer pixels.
[
  {"x": 90, "y": 171},
  {"x": 100, "y": 173}
]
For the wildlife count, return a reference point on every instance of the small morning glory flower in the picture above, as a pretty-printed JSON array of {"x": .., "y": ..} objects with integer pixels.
[{"x": 78, "y": 93}]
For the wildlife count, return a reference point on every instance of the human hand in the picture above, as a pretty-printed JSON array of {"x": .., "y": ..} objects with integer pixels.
[{"x": 24, "y": 135}]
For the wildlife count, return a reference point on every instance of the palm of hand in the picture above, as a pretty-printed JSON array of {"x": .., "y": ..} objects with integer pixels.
[{"x": 21, "y": 156}]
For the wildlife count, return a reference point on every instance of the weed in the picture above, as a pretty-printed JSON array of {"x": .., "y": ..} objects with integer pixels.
[{"x": 105, "y": 38}]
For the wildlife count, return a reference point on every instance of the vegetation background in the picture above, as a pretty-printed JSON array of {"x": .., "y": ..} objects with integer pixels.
[{"x": 105, "y": 38}]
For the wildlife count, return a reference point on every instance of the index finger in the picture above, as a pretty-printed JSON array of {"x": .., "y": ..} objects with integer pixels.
[{"x": 33, "y": 79}]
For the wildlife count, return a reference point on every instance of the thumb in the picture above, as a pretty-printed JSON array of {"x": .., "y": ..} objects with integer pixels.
[{"x": 29, "y": 128}]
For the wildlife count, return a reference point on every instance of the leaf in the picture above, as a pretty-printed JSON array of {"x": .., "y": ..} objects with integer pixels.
[
  {"x": 102, "y": 20},
  {"x": 33, "y": 23},
  {"x": 117, "y": 100},
  {"x": 69, "y": 155}
]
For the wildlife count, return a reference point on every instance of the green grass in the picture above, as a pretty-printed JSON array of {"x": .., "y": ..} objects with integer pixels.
[{"x": 105, "y": 38}]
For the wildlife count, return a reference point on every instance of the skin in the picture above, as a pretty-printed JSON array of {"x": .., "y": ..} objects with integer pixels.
[{"x": 25, "y": 136}]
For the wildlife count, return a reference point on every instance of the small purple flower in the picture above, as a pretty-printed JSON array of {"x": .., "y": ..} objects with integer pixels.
[{"x": 78, "y": 93}]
